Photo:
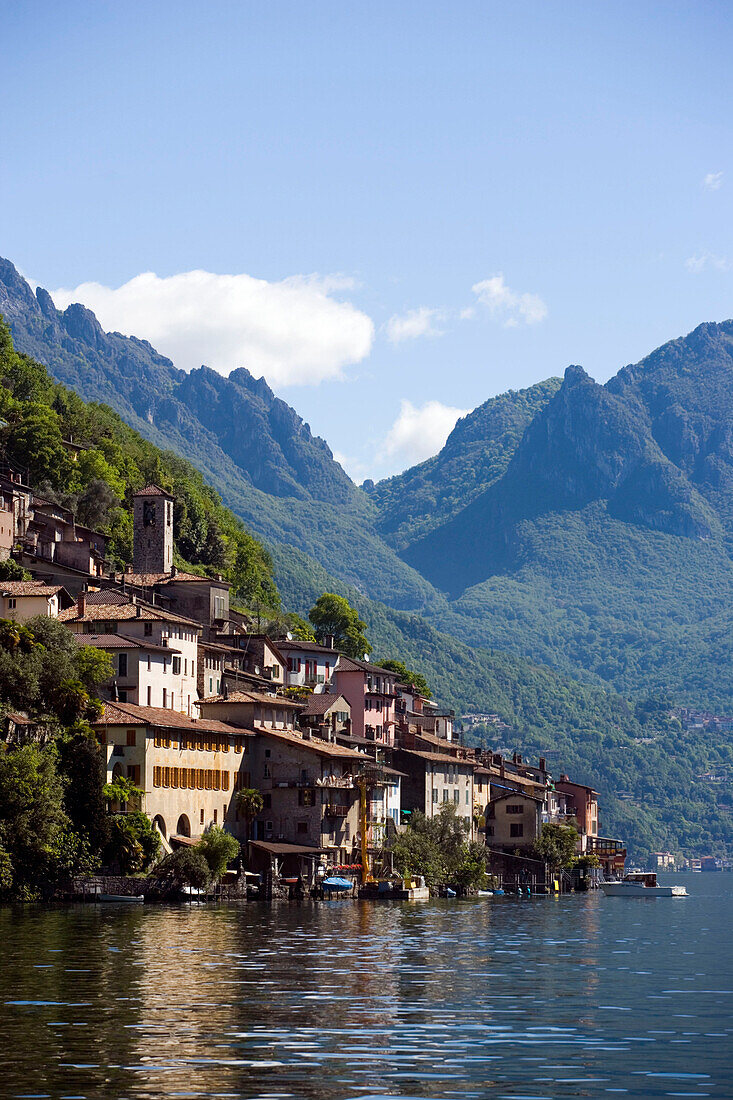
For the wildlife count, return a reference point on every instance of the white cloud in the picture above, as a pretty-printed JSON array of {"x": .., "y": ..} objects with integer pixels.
[
  {"x": 704, "y": 260},
  {"x": 413, "y": 324},
  {"x": 713, "y": 181},
  {"x": 293, "y": 331},
  {"x": 509, "y": 305},
  {"x": 418, "y": 433}
]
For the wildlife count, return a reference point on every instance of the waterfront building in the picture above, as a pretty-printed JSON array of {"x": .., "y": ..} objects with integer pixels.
[
  {"x": 513, "y": 821},
  {"x": 188, "y": 769}
]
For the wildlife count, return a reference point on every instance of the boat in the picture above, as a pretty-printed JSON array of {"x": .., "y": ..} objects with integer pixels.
[
  {"x": 449, "y": 892},
  {"x": 139, "y": 898},
  {"x": 335, "y": 884},
  {"x": 486, "y": 893},
  {"x": 641, "y": 884}
]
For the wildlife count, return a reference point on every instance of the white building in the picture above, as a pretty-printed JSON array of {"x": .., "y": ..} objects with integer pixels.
[{"x": 155, "y": 655}]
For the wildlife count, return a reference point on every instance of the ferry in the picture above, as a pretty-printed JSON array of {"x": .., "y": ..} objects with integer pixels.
[{"x": 642, "y": 884}]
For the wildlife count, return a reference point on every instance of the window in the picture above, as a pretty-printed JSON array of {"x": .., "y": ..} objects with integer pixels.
[
  {"x": 150, "y": 696},
  {"x": 267, "y": 752},
  {"x": 122, "y": 665},
  {"x": 302, "y": 827},
  {"x": 225, "y": 781},
  {"x": 435, "y": 794},
  {"x": 201, "y": 819},
  {"x": 148, "y": 629},
  {"x": 215, "y": 817},
  {"x": 131, "y": 738},
  {"x": 157, "y": 777},
  {"x": 445, "y": 794},
  {"x": 468, "y": 798},
  {"x": 176, "y": 666},
  {"x": 148, "y": 662},
  {"x": 166, "y": 777},
  {"x": 307, "y": 797},
  {"x": 515, "y": 808},
  {"x": 267, "y": 802},
  {"x": 456, "y": 796},
  {"x": 516, "y": 829},
  {"x": 165, "y": 697}
]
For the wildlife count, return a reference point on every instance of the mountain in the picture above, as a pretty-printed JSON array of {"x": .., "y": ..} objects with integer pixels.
[
  {"x": 569, "y": 532},
  {"x": 279, "y": 478},
  {"x": 476, "y": 453}
]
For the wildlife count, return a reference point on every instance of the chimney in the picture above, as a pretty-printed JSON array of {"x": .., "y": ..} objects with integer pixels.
[
  {"x": 81, "y": 605},
  {"x": 128, "y": 567},
  {"x": 330, "y": 641},
  {"x": 543, "y": 764}
]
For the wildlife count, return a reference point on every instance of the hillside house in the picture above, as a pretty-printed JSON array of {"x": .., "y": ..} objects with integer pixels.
[
  {"x": 23, "y": 600},
  {"x": 160, "y": 674},
  {"x": 370, "y": 692}
]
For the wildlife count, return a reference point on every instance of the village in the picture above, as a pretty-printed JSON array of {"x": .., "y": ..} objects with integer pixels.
[{"x": 202, "y": 707}]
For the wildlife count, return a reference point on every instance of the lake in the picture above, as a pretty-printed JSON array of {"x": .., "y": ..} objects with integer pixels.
[{"x": 545, "y": 997}]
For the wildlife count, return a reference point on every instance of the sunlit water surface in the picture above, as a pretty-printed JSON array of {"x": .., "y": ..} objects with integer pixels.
[{"x": 548, "y": 997}]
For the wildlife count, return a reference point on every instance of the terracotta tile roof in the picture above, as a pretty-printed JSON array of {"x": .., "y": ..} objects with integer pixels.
[
  {"x": 128, "y": 714},
  {"x": 30, "y": 588},
  {"x": 350, "y": 664},
  {"x": 119, "y": 641},
  {"x": 147, "y": 580},
  {"x": 107, "y": 596},
  {"x": 322, "y": 703},
  {"x": 315, "y": 744},
  {"x": 254, "y": 697},
  {"x": 152, "y": 491},
  {"x": 287, "y": 646},
  {"x": 123, "y": 612},
  {"x": 439, "y": 757}
]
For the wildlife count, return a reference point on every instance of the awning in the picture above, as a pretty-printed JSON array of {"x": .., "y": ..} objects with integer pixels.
[{"x": 282, "y": 848}]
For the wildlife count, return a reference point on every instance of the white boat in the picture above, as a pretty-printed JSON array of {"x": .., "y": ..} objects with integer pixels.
[{"x": 641, "y": 885}]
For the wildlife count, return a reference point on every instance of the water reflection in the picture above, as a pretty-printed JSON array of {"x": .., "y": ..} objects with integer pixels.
[{"x": 548, "y": 997}]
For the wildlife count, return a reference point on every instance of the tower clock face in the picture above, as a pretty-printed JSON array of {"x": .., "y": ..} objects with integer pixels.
[{"x": 149, "y": 513}]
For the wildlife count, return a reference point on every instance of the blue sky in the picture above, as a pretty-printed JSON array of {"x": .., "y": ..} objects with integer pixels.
[{"x": 425, "y": 204}]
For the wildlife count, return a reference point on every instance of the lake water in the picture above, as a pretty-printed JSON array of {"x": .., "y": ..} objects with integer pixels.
[{"x": 547, "y": 997}]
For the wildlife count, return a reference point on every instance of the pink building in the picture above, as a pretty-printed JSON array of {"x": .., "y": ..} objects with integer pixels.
[{"x": 370, "y": 692}]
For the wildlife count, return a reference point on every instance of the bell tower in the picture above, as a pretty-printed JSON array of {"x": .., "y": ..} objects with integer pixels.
[{"x": 152, "y": 531}]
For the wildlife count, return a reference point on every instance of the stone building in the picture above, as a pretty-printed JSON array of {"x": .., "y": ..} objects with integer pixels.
[{"x": 152, "y": 530}]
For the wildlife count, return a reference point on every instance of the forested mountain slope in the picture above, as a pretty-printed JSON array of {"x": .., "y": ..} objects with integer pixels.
[{"x": 584, "y": 526}]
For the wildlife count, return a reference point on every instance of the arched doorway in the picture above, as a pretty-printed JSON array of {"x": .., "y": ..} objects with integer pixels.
[
  {"x": 117, "y": 771},
  {"x": 160, "y": 825},
  {"x": 183, "y": 828}
]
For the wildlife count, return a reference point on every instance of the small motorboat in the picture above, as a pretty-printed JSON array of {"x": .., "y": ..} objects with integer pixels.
[
  {"x": 449, "y": 892},
  {"x": 641, "y": 885},
  {"x": 335, "y": 884},
  {"x": 486, "y": 893},
  {"x": 134, "y": 898}
]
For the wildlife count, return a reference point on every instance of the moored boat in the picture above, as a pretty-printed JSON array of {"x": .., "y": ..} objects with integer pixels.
[
  {"x": 641, "y": 885},
  {"x": 335, "y": 884}
]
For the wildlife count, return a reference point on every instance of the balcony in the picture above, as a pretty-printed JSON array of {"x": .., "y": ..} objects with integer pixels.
[
  {"x": 335, "y": 810},
  {"x": 342, "y": 782}
]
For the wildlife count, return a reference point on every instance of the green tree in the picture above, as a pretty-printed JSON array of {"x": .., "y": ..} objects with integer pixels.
[
  {"x": 11, "y": 571},
  {"x": 82, "y": 767},
  {"x": 556, "y": 845},
  {"x": 31, "y": 816},
  {"x": 218, "y": 848},
  {"x": 333, "y": 616},
  {"x": 405, "y": 676},
  {"x": 249, "y": 803},
  {"x": 438, "y": 848},
  {"x": 134, "y": 842},
  {"x": 184, "y": 867}
]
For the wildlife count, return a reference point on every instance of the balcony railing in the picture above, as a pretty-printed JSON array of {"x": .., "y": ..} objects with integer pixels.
[{"x": 335, "y": 810}]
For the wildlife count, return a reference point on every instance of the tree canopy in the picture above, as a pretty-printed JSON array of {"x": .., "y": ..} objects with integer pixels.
[{"x": 333, "y": 616}]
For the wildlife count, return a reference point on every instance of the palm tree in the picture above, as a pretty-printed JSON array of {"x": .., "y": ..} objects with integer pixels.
[{"x": 249, "y": 803}]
